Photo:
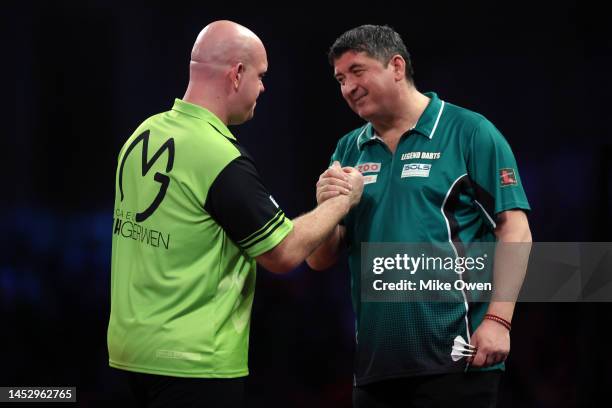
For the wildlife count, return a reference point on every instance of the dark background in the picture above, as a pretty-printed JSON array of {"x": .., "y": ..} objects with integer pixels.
[{"x": 78, "y": 78}]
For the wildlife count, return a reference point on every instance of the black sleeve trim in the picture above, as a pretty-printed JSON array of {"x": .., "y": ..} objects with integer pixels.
[
  {"x": 486, "y": 199},
  {"x": 239, "y": 202},
  {"x": 257, "y": 233},
  {"x": 267, "y": 234}
]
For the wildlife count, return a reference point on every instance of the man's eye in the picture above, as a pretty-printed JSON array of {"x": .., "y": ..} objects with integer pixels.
[{"x": 358, "y": 72}]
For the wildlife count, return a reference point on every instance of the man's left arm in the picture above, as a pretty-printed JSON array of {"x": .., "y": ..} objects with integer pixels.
[{"x": 492, "y": 338}]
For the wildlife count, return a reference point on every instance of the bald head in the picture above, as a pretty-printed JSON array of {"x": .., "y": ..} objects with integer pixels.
[
  {"x": 224, "y": 43},
  {"x": 228, "y": 62}
]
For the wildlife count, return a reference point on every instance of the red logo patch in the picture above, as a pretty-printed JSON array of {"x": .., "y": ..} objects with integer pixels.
[
  {"x": 507, "y": 177},
  {"x": 369, "y": 167}
]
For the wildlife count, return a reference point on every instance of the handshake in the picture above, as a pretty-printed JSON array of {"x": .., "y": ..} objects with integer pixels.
[{"x": 341, "y": 183}]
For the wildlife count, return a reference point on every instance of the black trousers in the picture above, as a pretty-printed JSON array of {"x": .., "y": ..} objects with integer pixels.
[
  {"x": 158, "y": 391},
  {"x": 473, "y": 390}
]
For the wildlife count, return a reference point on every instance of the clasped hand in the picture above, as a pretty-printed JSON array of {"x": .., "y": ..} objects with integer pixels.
[{"x": 337, "y": 181}]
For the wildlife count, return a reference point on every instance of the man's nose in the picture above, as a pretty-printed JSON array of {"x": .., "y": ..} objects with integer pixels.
[{"x": 349, "y": 88}]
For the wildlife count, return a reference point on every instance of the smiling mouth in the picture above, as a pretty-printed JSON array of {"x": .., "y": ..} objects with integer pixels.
[{"x": 355, "y": 101}]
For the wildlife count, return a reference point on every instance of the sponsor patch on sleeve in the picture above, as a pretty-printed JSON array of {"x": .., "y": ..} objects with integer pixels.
[
  {"x": 507, "y": 177},
  {"x": 370, "y": 178},
  {"x": 368, "y": 167}
]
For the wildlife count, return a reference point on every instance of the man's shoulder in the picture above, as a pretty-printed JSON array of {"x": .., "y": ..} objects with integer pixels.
[
  {"x": 463, "y": 115},
  {"x": 195, "y": 139},
  {"x": 475, "y": 127},
  {"x": 147, "y": 128}
]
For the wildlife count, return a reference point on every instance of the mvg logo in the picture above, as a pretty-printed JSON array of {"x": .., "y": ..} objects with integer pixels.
[
  {"x": 368, "y": 167},
  {"x": 416, "y": 170}
]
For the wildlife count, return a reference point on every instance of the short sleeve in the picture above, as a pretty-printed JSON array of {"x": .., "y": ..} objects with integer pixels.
[
  {"x": 238, "y": 201},
  {"x": 493, "y": 171}
]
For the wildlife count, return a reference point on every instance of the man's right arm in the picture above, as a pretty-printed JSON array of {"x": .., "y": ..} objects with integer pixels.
[
  {"x": 245, "y": 210},
  {"x": 337, "y": 191},
  {"x": 326, "y": 255},
  {"x": 318, "y": 228}
]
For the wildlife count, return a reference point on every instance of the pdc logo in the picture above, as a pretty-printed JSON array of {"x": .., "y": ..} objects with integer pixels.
[{"x": 368, "y": 167}]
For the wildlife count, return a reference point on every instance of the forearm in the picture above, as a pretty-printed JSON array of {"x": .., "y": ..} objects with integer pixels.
[
  {"x": 318, "y": 226},
  {"x": 511, "y": 259},
  {"x": 338, "y": 189},
  {"x": 309, "y": 231},
  {"x": 327, "y": 253}
]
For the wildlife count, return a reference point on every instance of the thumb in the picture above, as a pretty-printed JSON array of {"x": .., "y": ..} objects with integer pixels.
[{"x": 336, "y": 164}]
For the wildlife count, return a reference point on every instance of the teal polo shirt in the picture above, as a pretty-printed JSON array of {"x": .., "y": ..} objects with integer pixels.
[{"x": 448, "y": 178}]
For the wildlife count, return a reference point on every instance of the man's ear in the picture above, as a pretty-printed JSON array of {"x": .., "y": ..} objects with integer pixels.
[
  {"x": 236, "y": 74},
  {"x": 399, "y": 67}
]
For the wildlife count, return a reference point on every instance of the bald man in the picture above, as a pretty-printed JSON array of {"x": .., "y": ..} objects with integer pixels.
[{"x": 191, "y": 217}]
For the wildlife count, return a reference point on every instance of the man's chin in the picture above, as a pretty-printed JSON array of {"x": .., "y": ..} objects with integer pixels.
[
  {"x": 251, "y": 113},
  {"x": 362, "y": 112},
  {"x": 240, "y": 120}
]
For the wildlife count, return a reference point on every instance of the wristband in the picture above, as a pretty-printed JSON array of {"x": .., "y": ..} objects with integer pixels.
[{"x": 499, "y": 320}]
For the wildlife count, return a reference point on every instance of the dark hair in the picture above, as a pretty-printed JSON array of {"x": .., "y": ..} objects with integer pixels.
[{"x": 380, "y": 42}]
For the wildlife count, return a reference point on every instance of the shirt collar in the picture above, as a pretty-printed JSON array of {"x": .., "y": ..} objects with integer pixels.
[
  {"x": 199, "y": 112},
  {"x": 426, "y": 125},
  {"x": 367, "y": 135},
  {"x": 430, "y": 118}
]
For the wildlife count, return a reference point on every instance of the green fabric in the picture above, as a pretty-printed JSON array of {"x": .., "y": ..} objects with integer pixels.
[
  {"x": 181, "y": 290},
  {"x": 444, "y": 185}
]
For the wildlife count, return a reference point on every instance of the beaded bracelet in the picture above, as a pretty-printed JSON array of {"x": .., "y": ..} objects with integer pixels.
[{"x": 499, "y": 320}]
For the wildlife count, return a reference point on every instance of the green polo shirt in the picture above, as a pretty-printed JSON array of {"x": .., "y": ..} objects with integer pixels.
[
  {"x": 448, "y": 178},
  {"x": 191, "y": 214}
]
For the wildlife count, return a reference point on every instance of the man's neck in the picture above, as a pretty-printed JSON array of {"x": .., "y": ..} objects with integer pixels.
[
  {"x": 206, "y": 100},
  {"x": 403, "y": 117}
]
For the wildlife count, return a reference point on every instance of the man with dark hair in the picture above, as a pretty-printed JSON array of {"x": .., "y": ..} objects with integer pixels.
[
  {"x": 379, "y": 42},
  {"x": 434, "y": 173},
  {"x": 191, "y": 218}
]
